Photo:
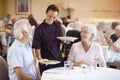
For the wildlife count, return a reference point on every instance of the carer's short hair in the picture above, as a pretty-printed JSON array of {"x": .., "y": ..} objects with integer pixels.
[{"x": 52, "y": 7}]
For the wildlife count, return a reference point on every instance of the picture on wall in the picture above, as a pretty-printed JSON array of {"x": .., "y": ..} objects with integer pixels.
[{"x": 23, "y": 6}]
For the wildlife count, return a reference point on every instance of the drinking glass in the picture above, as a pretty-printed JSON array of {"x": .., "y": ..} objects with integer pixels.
[
  {"x": 68, "y": 65},
  {"x": 96, "y": 58}
]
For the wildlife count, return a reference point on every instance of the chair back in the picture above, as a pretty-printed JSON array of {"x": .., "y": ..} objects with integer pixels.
[
  {"x": 3, "y": 69},
  {"x": 66, "y": 47},
  {"x": 74, "y": 33},
  {"x": 114, "y": 64}
]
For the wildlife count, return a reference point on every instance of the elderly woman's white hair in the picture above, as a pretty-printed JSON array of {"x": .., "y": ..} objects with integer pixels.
[
  {"x": 19, "y": 26},
  {"x": 92, "y": 29}
]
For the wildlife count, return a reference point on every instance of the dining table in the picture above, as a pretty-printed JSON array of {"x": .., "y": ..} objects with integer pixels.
[{"x": 78, "y": 73}]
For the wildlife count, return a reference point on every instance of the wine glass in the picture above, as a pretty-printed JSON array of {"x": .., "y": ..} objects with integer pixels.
[
  {"x": 96, "y": 58},
  {"x": 68, "y": 65}
]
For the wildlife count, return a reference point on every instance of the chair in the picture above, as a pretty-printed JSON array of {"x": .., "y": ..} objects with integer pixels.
[
  {"x": 65, "y": 22},
  {"x": 66, "y": 47},
  {"x": 63, "y": 30},
  {"x": 1, "y": 45},
  {"x": 114, "y": 64},
  {"x": 74, "y": 33},
  {"x": 3, "y": 69}
]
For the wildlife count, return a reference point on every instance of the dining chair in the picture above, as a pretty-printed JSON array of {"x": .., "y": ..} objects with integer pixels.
[
  {"x": 66, "y": 47},
  {"x": 3, "y": 69},
  {"x": 115, "y": 64}
]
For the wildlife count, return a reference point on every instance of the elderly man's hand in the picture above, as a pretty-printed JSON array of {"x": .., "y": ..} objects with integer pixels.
[
  {"x": 109, "y": 41},
  {"x": 116, "y": 48}
]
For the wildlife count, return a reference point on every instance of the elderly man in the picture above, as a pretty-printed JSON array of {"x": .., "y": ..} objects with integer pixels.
[
  {"x": 20, "y": 58},
  {"x": 114, "y": 50},
  {"x": 115, "y": 46}
]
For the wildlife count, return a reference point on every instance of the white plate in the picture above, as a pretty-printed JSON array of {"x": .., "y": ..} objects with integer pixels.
[
  {"x": 67, "y": 38},
  {"x": 49, "y": 62}
]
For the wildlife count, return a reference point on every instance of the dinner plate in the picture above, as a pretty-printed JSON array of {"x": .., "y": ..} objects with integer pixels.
[
  {"x": 63, "y": 38},
  {"x": 49, "y": 62}
]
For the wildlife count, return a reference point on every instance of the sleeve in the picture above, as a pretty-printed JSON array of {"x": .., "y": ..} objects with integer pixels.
[
  {"x": 37, "y": 39},
  {"x": 59, "y": 29},
  {"x": 15, "y": 58},
  {"x": 117, "y": 43},
  {"x": 71, "y": 56}
]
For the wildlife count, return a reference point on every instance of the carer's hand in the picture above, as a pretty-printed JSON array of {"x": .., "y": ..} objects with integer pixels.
[{"x": 66, "y": 41}]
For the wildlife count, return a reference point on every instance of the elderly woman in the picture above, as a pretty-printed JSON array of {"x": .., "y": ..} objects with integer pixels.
[
  {"x": 115, "y": 46},
  {"x": 87, "y": 51},
  {"x": 20, "y": 58}
]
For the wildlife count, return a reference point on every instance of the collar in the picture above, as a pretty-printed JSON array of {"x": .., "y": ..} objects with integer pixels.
[
  {"x": 47, "y": 23},
  {"x": 19, "y": 43}
]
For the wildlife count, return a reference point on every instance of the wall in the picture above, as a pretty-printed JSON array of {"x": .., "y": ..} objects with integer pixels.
[
  {"x": 86, "y": 10},
  {"x": 3, "y": 8}
]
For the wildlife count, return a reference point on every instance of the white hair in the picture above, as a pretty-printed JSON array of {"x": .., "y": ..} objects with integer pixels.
[
  {"x": 19, "y": 26},
  {"x": 92, "y": 29},
  {"x": 78, "y": 25},
  {"x": 118, "y": 27}
]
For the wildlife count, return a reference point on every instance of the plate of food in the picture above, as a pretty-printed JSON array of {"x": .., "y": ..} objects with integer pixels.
[
  {"x": 63, "y": 38},
  {"x": 49, "y": 62},
  {"x": 84, "y": 65}
]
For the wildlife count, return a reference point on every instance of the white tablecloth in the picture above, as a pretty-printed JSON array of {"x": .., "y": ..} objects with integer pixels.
[{"x": 78, "y": 74}]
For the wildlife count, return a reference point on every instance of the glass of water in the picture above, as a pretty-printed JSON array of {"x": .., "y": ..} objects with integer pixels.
[
  {"x": 68, "y": 65},
  {"x": 96, "y": 58}
]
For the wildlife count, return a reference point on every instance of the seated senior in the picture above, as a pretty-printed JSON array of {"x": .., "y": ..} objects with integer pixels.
[
  {"x": 114, "y": 49},
  {"x": 20, "y": 58},
  {"x": 87, "y": 51}
]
